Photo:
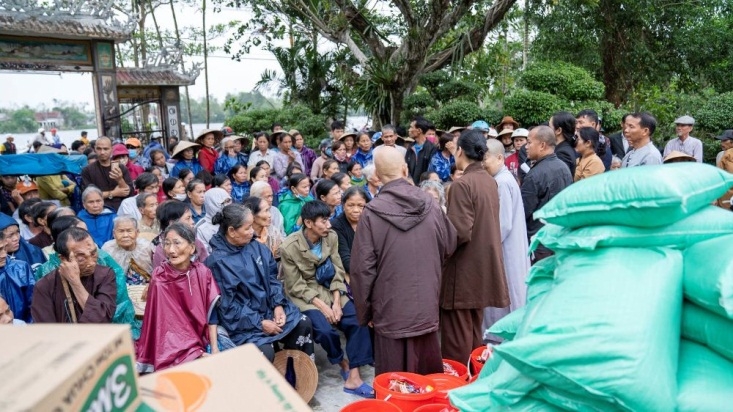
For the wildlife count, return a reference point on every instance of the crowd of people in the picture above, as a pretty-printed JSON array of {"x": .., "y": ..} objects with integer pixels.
[{"x": 409, "y": 242}]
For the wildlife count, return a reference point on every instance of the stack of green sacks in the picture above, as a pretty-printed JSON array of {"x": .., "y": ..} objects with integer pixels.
[
  {"x": 705, "y": 374},
  {"x": 601, "y": 328}
]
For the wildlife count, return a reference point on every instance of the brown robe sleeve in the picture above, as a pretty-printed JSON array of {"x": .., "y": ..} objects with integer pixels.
[
  {"x": 101, "y": 304},
  {"x": 461, "y": 211},
  {"x": 363, "y": 269}
]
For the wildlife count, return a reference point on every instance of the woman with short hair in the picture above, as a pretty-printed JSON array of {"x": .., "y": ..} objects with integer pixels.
[
  {"x": 169, "y": 212},
  {"x": 181, "y": 301},
  {"x": 99, "y": 219},
  {"x": 262, "y": 225},
  {"x": 195, "y": 190}
]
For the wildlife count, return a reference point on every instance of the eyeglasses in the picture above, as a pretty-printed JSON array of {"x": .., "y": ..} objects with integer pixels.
[{"x": 226, "y": 201}]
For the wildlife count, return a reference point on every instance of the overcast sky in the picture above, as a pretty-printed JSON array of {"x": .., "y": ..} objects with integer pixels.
[{"x": 225, "y": 75}]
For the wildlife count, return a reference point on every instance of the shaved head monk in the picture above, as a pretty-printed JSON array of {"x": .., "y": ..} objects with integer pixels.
[{"x": 400, "y": 244}]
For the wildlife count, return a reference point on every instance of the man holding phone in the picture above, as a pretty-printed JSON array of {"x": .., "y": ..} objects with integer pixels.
[{"x": 112, "y": 178}]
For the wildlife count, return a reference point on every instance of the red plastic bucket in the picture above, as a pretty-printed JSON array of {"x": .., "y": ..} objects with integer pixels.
[
  {"x": 436, "y": 407},
  {"x": 460, "y": 368},
  {"x": 370, "y": 405},
  {"x": 407, "y": 402},
  {"x": 477, "y": 366},
  {"x": 444, "y": 383}
]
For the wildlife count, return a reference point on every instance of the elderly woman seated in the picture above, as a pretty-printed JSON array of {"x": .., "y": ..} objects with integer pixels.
[
  {"x": 314, "y": 280},
  {"x": 97, "y": 217},
  {"x": 133, "y": 253},
  {"x": 254, "y": 308}
]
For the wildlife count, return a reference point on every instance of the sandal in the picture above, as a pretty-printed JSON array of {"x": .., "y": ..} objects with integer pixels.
[
  {"x": 344, "y": 374},
  {"x": 365, "y": 391}
]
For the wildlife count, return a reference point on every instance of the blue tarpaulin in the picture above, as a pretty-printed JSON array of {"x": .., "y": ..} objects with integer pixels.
[{"x": 41, "y": 164}]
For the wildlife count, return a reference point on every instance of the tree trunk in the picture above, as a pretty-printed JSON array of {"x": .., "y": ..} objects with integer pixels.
[
  {"x": 183, "y": 68},
  {"x": 525, "y": 39},
  {"x": 206, "y": 66},
  {"x": 155, "y": 24}
]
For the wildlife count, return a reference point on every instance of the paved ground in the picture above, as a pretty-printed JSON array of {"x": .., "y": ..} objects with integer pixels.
[{"x": 330, "y": 395}]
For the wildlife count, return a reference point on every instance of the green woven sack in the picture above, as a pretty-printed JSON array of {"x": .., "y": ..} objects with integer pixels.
[
  {"x": 648, "y": 196},
  {"x": 708, "y": 223},
  {"x": 507, "y": 326},
  {"x": 608, "y": 330},
  {"x": 539, "y": 281},
  {"x": 709, "y": 329},
  {"x": 708, "y": 280},
  {"x": 705, "y": 380}
]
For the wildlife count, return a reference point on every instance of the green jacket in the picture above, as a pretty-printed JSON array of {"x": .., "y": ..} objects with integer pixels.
[
  {"x": 299, "y": 270},
  {"x": 290, "y": 206}
]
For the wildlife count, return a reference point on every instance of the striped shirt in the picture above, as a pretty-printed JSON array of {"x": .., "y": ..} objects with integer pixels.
[{"x": 692, "y": 146}]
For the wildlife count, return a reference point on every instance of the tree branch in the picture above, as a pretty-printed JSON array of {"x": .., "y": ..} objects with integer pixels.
[
  {"x": 365, "y": 29},
  {"x": 473, "y": 40}
]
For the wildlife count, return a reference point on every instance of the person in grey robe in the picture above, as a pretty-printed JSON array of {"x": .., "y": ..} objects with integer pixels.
[{"x": 514, "y": 242}]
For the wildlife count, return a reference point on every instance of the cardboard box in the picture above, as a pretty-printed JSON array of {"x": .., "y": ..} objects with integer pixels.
[
  {"x": 67, "y": 368},
  {"x": 239, "y": 379}
]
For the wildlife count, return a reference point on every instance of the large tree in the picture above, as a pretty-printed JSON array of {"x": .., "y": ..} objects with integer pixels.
[
  {"x": 394, "y": 42},
  {"x": 640, "y": 43}
]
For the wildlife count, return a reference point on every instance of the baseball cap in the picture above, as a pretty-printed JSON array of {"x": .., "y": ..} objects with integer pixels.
[
  {"x": 727, "y": 135},
  {"x": 26, "y": 186},
  {"x": 133, "y": 141},
  {"x": 480, "y": 125}
]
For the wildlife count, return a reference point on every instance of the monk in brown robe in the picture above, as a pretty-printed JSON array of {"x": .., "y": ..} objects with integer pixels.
[
  {"x": 79, "y": 291},
  {"x": 473, "y": 277},
  {"x": 401, "y": 242}
]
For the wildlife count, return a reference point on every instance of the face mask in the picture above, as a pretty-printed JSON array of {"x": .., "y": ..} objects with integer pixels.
[
  {"x": 181, "y": 197},
  {"x": 133, "y": 153},
  {"x": 123, "y": 161}
]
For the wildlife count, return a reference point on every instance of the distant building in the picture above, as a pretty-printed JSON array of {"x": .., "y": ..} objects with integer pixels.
[{"x": 49, "y": 120}]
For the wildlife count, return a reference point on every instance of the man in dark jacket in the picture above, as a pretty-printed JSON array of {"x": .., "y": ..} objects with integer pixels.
[
  {"x": 419, "y": 155},
  {"x": 619, "y": 144},
  {"x": 401, "y": 242},
  {"x": 547, "y": 177}
]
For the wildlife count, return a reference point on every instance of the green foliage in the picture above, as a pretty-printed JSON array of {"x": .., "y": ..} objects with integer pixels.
[
  {"x": 717, "y": 114},
  {"x": 19, "y": 121},
  {"x": 645, "y": 42},
  {"x": 432, "y": 81},
  {"x": 220, "y": 111},
  {"x": 562, "y": 79},
  {"x": 457, "y": 113},
  {"x": 667, "y": 104},
  {"x": 532, "y": 107},
  {"x": 309, "y": 77},
  {"x": 459, "y": 89},
  {"x": 418, "y": 104},
  {"x": 298, "y": 117}
]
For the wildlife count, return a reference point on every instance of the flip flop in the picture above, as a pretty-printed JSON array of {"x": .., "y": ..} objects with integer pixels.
[
  {"x": 365, "y": 391},
  {"x": 344, "y": 374}
]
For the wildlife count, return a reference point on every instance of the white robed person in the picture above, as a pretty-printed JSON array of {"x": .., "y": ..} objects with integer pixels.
[{"x": 513, "y": 235}]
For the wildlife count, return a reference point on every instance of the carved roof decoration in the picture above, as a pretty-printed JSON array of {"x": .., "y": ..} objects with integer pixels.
[
  {"x": 152, "y": 77},
  {"x": 66, "y": 19}
]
